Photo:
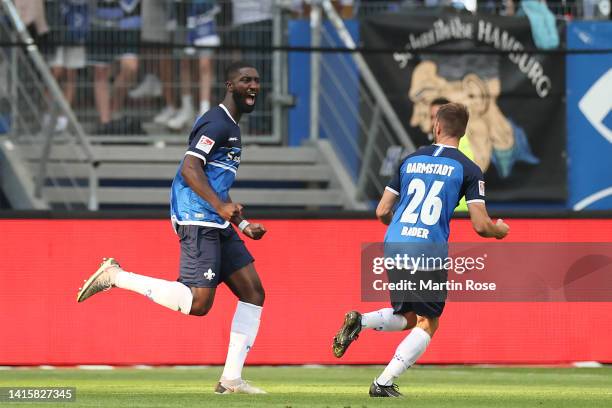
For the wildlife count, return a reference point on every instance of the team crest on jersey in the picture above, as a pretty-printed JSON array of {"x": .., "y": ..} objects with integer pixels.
[
  {"x": 481, "y": 187},
  {"x": 205, "y": 144}
]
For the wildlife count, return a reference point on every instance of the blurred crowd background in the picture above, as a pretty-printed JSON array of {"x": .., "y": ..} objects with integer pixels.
[
  {"x": 132, "y": 67},
  {"x": 104, "y": 103}
]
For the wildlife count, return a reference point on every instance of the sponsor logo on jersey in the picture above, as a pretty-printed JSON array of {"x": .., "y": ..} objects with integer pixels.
[
  {"x": 205, "y": 144},
  {"x": 233, "y": 156},
  {"x": 481, "y": 187}
]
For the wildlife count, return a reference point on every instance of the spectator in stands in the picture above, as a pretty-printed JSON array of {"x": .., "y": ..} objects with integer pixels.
[
  {"x": 70, "y": 24},
  {"x": 115, "y": 34},
  {"x": 508, "y": 8},
  {"x": 597, "y": 9},
  {"x": 158, "y": 26},
  {"x": 543, "y": 23},
  {"x": 252, "y": 27},
  {"x": 201, "y": 30},
  {"x": 346, "y": 8},
  {"x": 32, "y": 14}
]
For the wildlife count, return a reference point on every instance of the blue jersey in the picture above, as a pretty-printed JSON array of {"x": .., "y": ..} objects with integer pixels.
[
  {"x": 201, "y": 26},
  {"x": 122, "y": 14},
  {"x": 215, "y": 139},
  {"x": 429, "y": 184},
  {"x": 69, "y": 20}
]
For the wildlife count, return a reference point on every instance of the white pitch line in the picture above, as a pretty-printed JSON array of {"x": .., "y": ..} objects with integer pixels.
[
  {"x": 95, "y": 367},
  {"x": 190, "y": 367}
]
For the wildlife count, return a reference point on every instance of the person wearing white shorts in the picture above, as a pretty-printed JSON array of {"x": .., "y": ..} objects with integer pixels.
[
  {"x": 65, "y": 62},
  {"x": 70, "y": 24},
  {"x": 69, "y": 57},
  {"x": 198, "y": 21}
]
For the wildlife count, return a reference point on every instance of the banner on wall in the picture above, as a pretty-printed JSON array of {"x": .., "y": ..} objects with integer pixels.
[
  {"x": 589, "y": 116},
  {"x": 517, "y": 116}
]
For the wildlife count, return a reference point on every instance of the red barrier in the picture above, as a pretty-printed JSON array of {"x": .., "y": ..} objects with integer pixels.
[{"x": 310, "y": 270}]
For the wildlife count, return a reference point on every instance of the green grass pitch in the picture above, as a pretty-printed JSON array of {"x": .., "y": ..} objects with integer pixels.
[{"x": 343, "y": 386}]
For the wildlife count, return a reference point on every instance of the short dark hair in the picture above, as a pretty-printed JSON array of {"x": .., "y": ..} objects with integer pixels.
[
  {"x": 439, "y": 101},
  {"x": 453, "y": 117},
  {"x": 234, "y": 67}
]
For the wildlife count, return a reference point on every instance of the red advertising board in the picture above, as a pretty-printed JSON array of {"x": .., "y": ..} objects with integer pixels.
[{"x": 310, "y": 270}]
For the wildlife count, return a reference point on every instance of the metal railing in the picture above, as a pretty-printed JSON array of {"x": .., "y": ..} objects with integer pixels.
[
  {"x": 360, "y": 132},
  {"x": 32, "y": 94}
]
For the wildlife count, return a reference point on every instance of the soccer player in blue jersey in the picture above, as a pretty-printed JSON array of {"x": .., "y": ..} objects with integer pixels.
[
  {"x": 428, "y": 184},
  {"x": 202, "y": 213}
]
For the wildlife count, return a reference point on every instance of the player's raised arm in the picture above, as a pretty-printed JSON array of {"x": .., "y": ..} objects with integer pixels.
[
  {"x": 193, "y": 173},
  {"x": 482, "y": 222},
  {"x": 384, "y": 211},
  {"x": 474, "y": 185}
]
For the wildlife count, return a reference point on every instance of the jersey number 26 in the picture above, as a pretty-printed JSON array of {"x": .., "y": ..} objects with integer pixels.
[{"x": 432, "y": 204}]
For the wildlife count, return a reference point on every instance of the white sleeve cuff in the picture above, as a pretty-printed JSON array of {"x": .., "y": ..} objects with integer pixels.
[
  {"x": 199, "y": 156},
  {"x": 476, "y": 200},
  {"x": 392, "y": 190}
]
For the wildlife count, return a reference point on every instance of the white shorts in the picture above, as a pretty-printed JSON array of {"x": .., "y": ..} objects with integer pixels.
[
  {"x": 157, "y": 26},
  {"x": 209, "y": 40},
  {"x": 72, "y": 57}
]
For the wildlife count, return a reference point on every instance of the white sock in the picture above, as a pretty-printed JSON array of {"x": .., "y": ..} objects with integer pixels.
[
  {"x": 383, "y": 320},
  {"x": 173, "y": 295},
  {"x": 204, "y": 107},
  {"x": 186, "y": 102},
  {"x": 408, "y": 351},
  {"x": 244, "y": 331}
]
